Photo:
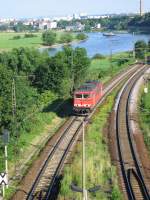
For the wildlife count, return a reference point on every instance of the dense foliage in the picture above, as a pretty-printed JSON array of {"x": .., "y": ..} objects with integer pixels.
[
  {"x": 142, "y": 49},
  {"x": 118, "y": 22},
  {"x": 140, "y": 21},
  {"x": 35, "y": 73},
  {"x": 66, "y": 38},
  {"x": 63, "y": 72},
  {"x": 49, "y": 37},
  {"x": 81, "y": 36}
]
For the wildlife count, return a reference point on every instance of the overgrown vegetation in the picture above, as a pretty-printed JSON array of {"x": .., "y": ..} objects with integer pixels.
[
  {"x": 144, "y": 116},
  {"x": 98, "y": 56},
  {"x": 38, "y": 80},
  {"x": 30, "y": 35},
  {"x": 16, "y": 37},
  {"x": 99, "y": 170},
  {"x": 49, "y": 37},
  {"x": 81, "y": 36},
  {"x": 66, "y": 38},
  {"x": 141, "y": 49}
]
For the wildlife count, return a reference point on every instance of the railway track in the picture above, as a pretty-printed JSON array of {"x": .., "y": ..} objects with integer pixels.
[
  {"x": 54, "y": 163},
  {"x": 132, "y": 174},
  {"x": 50, "y": 171}
]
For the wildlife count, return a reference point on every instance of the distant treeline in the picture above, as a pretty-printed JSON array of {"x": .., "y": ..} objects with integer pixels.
[{"x": 113, "y": 23}]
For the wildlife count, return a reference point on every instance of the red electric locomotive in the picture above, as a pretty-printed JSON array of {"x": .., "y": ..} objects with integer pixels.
[{"x": 87, "y": 96}]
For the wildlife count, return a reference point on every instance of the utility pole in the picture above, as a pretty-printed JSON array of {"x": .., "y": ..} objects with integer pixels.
[
  {"x": 133, "y": 47},
  {"x": 84, "y": 190},
  {"x": 145, "y": 56},
  {"x": 110, "y": 57},
  {"x": 72, "y": 70},
  {"x": 84, "y": 164},
  {"x": 14, "y": 105},
  {"x": 13, "y": 99},
  {"x": 14, "y": 112},
  {"x": 111, "y": 65}
]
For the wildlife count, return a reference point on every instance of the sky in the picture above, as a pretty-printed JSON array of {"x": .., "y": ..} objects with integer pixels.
[{"x": 36, "y": 8}]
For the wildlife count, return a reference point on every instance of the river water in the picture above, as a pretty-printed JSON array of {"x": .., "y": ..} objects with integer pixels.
[{"x": 97, "y": 43}]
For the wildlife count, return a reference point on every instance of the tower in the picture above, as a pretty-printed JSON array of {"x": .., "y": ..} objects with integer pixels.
[{"x": 141, "y": 13}]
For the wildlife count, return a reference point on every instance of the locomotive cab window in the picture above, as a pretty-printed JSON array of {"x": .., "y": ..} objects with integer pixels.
[
  {"x": 85, "y": 96},
  {"x": 79, "y": 96}
]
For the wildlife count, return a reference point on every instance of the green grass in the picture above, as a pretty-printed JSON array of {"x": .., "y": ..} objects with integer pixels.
[
  {"x": 145, "y": 116},
  {"x": 103, "y": 69},
  {"x": 7, "y": 42},
  {"x": 98, "y": 163}
]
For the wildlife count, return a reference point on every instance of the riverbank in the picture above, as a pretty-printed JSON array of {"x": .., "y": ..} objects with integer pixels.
[
  {"x": 107, "y": 46},
  {"x": 60, "y": 45},
  {"x": 8, "y": 40}
]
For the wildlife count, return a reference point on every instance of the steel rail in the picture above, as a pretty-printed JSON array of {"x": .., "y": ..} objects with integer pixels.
[{"x": 126, "y": 174}]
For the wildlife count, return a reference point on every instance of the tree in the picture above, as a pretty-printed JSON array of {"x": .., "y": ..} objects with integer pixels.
[
  {"x": 81, "y": 63},
  {"x": 23, "y": 60},
  {"x": 63, "y": 72},
  {"x": 140, "y": 47},
  {"x": 5, "y": 96},
  {"x": 149, "y": 46},
  {"x": 66, "y": 38},
  {"x": 49, "y": 37},
  {"x": 81, "y": 36}
]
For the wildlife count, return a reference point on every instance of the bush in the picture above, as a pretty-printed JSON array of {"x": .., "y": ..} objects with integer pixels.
[
  {"x": 122, "y": 61},
  {"x": 81, "y": 36},
  {"x": 30, "y": 35},
  {"x": 140, "y": 47},
  {"x": 98, "y": 56},
  {"x": 17, "y": 37},
  {"x": 49, "y": 37},
  {"x": 66, "y": 38}
]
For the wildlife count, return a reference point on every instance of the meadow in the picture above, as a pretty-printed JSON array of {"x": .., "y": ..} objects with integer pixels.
[
  {"x": 105, "y": 68},
  {"x": 8, "y": 42}
]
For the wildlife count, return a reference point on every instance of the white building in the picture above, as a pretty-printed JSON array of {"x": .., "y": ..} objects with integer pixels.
[
  {"x": 47, "y": 25},
  {"x": 98, "y": 26},
  {"x": 51, "y": 25}
]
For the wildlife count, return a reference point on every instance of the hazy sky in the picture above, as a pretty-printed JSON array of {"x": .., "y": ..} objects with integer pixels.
[{"x": 35, "y": 8}]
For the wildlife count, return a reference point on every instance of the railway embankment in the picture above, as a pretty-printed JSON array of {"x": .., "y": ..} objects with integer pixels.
[
  {"x": 126, "y": 138},
  {"x": 139, "y": 120},
  {"x": 144, "y": 115}
]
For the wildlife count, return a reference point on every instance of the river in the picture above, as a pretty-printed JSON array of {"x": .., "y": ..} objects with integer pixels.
[{"x": 97, "y": 43}]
